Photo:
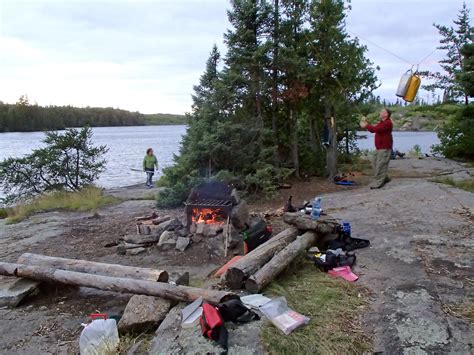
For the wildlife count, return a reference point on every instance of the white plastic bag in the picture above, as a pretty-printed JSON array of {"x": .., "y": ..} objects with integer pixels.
[
  {"x": 282, "y": 317},
  {"x": 99, "y": 337}
]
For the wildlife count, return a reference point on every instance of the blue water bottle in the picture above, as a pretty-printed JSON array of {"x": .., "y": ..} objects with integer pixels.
[
  {"x": 346, "y": 229},
  {"x": 316, "y": 208}
]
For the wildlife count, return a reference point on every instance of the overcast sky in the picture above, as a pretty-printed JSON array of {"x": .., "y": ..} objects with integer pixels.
[{"x": 147, "y": 55}]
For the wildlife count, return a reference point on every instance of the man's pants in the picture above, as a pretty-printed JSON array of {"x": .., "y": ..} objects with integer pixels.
[{"x": 380, "y": 161}]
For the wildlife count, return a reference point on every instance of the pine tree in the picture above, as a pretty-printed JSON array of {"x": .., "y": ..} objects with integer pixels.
[{"x": 453, "y": 39}]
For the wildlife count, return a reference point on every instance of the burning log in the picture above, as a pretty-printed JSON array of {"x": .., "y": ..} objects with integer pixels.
[
  {"x": 323, "y": 225},
  {"x": 117, "y": 284},
  {"x": 250, "y": 263},
  {"x": 279, "y": 262},
  {"x": 95, "y": 268}
]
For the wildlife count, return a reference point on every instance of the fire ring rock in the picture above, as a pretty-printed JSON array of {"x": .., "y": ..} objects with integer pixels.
[{"x": 240, "y": 215}]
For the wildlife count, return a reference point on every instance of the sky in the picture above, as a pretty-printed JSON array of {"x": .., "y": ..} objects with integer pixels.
[{"x": 146, "y": 55}]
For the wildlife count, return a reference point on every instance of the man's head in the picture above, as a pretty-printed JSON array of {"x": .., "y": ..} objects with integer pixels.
[{"x": 385, "y": 113}]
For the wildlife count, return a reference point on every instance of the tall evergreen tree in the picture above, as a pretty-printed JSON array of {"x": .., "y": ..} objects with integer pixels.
[{"x": 453, "y": 39}]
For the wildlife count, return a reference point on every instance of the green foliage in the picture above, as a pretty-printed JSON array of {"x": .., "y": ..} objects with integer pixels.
[
  {"x": 457, "y": 135},
  {"x": 25, "y": 117},
  {"x": 89, "y": 198},
  {"x": 261, "y": 117},
  {"x": 3, "y": 213},
  {"x": 159, "y": 119},
  {"x": 333, "y": 306},
  {"x": 453, "y": 38},
  {"x": 68, "y": 161},
  {"x": 415, "y": 152}
]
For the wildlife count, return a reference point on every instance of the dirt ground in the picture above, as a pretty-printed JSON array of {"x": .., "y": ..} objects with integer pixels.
[{"x": 419, "y": 267}]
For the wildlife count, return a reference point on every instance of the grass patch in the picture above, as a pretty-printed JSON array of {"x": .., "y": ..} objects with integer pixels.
[
  {"x": 88, "y": 199},
  {"x": 3, "y": 213},
  {"x": 333, "y": 305},
  {"x": 127, "y": 341},
  {"x": 467, "y": 185}
]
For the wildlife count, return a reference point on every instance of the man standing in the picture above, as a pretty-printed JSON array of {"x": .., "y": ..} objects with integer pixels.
[{"x": 383, "y": 146}]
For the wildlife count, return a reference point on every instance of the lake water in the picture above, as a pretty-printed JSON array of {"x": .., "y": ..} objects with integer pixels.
[
  {"x": 402, "y": 141},
  {"x": 127, "y": 146}
]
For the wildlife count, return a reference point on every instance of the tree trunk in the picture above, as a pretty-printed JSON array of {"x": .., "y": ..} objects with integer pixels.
[
  {"x": 313, "y": 134},
  {"x": 95, "y": 268},
  {"x": 276, "y": 26},
  {"x": 279, "y": 262},
  {"x": 117, "y": 284},
  {"x": 323, "y": 225},
  {"x": 294, "y": 144},
  {"x": 250, "y": 263},
  {"x": 331, "y": 152}
]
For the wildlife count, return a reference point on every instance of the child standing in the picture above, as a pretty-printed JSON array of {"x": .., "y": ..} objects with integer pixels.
[{"x": 149, "y": 164}]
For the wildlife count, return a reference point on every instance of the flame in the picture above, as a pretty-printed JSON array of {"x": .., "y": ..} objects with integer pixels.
[{"x": 208, "y": 216}]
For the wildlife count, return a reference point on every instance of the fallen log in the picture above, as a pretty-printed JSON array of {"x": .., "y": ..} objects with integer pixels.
[
  {"x": 250, "y": 263},
  {"x": 91, "y": 267},
  {"x": 117, "y": 284},
  {"x": 323, "y": 225},
  {"x": 279, "y": 262}
]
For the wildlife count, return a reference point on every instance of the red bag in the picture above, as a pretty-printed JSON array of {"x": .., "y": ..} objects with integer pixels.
[{"x": 212, "y": 325}]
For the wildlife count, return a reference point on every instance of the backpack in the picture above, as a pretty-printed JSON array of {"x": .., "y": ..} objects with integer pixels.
[
  {"x": 331, "y": 261},
  {"x": 212, "y": 325},
  {"x": 235, "y": 311}
]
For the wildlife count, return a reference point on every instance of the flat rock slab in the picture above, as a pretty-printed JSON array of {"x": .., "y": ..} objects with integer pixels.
[
  {"x": 182, "y": 243},
  {"x": 143, "y": 313},
  {"x": 170, "y": 338},
  {"x": 13, "y": 290}
]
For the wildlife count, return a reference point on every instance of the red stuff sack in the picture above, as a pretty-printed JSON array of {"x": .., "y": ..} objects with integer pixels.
[{"x": 212, "y": 325}]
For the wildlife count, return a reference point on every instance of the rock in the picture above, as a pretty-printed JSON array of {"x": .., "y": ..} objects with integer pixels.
[
  {"x": 161, "y": 219},
  {"x": 200, "y": 228},
  {"x": 166, "y": 226},
  {"x": 234, "y": 195},
  {"x": 166, "y": 333},
  {"x": 141, "y": 239},
  {"x": 143, "y": 313},
  {"x": 135, "y": 251},
  {"x": 216, "y": 246},
  {"x": 167, "y": 238},
  {"x": 240, "y": 215},
  {"x": 183, "y": 232},
  {"x": 197, "y": 238},
  {"x": 13, "y": 290},
  {"x": 182, "y": 243},
  {"x": 235, "y": 239},
  {"x": 183, "y": 279},
  {"x": 212, "y": 230},
  {"x": 192, "y": 228},
  {"x": 135, "y": 349}
]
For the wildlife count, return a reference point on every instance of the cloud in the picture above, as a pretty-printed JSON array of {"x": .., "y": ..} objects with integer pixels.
[{"x": 146, "y": 55}]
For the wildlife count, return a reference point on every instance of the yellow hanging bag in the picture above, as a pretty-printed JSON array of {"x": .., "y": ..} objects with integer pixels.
[{"x": 412, "y": 88}]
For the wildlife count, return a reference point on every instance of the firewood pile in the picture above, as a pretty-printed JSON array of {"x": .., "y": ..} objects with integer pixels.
[{"x": 259, "y": 267}]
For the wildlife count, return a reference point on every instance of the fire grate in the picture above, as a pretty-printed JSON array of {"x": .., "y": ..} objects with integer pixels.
[{"x": 222, "y": 205}]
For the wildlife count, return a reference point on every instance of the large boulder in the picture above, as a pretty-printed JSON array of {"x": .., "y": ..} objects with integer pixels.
[
  {"x": 240, "y": 215},
  {"x": 143, "y": 313}
]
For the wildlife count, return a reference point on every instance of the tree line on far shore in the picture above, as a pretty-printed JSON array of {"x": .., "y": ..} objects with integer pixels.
[{"x": 26, "y": 117}]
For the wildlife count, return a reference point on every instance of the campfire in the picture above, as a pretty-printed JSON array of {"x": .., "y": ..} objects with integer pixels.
[{"x": 208, "y": 216}]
